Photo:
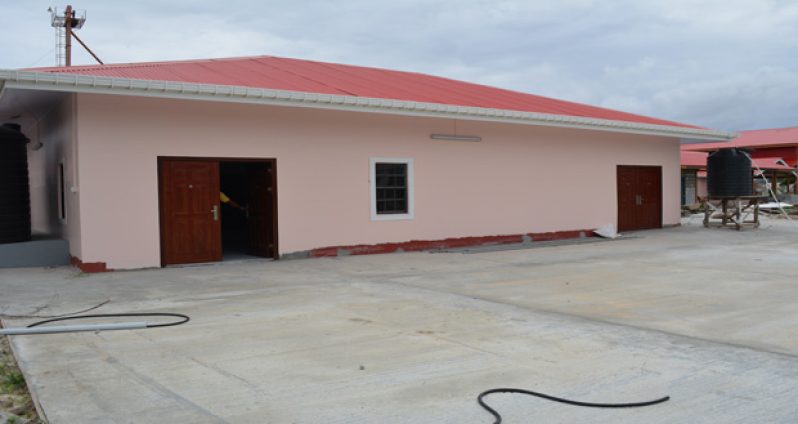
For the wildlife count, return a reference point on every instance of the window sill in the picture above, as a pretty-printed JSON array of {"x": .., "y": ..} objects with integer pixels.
[{"x": 392, "y": 217}]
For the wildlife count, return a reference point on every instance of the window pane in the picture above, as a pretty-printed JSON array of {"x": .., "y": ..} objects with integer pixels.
[{"x": 391, "y": 188}]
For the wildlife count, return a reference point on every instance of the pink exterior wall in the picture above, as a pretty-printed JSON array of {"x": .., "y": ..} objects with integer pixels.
[{"x": 518, "y": 179}]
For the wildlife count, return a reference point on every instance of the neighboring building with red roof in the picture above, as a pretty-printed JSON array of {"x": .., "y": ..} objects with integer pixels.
[
  {"x": 774, "y": 151},
  {"x": 694, "y": 174},
  {"x": 770, "y": 143},
  {"x": 324, "y": 159},
  {"x": 693, "y": 160}
]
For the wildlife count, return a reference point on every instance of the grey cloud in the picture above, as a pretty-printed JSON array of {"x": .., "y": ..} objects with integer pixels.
[{"x": 728, "y": 65}]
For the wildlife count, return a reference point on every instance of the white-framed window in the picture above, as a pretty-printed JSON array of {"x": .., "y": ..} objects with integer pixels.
[{"x": 391, "y": 184}]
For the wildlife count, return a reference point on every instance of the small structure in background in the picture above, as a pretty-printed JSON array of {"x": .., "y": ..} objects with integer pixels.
[
  {"x": 731, "y": 202},
  {"x": 65, "y": 26},
  {"x": 774, "y": 151},
  {"x": 694, "y": 176},
  {"x": 729, "y": 187}
]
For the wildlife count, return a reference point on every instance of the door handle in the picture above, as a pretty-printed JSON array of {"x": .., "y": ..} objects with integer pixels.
[{"x": 215, "y": 212}]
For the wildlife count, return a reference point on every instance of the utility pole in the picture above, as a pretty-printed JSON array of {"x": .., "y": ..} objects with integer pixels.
[
  {"x": 69, "y": 16},
  {"x": 65, "y": 25}
]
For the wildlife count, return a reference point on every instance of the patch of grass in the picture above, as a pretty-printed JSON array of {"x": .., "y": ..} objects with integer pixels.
[
  {"x": 14, "y": 389},
  {"x": 11, "y": 380}
]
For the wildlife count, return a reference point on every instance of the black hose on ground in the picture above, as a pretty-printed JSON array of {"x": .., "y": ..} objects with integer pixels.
[
  {"x": 498, "y": 416},
  {"x": 182, "y": 318}
]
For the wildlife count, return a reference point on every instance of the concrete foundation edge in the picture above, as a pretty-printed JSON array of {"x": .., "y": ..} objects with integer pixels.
[
  {"x": 407, "y": 246},
  {"x": 449, "y": 243}
]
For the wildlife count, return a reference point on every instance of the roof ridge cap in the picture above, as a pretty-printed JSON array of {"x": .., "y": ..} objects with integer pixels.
[{"x": 153, "y": 63}]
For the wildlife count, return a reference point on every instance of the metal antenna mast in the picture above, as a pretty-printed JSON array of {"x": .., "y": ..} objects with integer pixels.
[{"x": 64, "y": 32}]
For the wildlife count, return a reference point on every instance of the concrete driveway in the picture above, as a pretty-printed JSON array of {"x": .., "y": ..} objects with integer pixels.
[{"x": 708, "y": 317}]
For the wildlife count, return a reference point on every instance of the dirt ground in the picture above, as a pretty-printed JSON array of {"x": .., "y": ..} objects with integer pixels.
[{"x": 16, "y": 405}]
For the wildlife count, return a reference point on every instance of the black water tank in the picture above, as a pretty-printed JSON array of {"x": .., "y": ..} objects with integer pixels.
[
  {"x": 14, "y": 188},
  {"x": 729, "y": 173}
]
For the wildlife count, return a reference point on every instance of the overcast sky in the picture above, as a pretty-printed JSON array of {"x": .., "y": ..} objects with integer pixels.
[{"x": 724, "y": 64}]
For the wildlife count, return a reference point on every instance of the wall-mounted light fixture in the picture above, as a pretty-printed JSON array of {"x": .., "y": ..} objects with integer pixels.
[{"x": 455, "y": 137}]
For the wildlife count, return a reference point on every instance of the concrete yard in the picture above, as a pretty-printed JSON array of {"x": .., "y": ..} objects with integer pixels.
[{"x": 708, "y": 317}]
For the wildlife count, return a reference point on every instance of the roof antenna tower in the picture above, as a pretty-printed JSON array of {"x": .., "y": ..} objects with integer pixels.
[{"x": 65, "y": 25}]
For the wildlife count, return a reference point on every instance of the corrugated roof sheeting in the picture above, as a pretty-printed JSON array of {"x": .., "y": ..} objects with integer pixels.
[
  {"x": 694, "y": 159},
  {"x": 776, "y": 137},
  {"x": 698, "y": 160},
  {"x": 328, "y": 78}
]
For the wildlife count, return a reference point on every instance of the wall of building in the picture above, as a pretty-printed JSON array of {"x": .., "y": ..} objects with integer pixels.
[
  {"x": 701, "y": 186},
  {"x": 788, "y": 153},
  {"x": 689, "y": 186},
  {"x": 518, "y": 179},
  {"x": 55, "y": 129}
]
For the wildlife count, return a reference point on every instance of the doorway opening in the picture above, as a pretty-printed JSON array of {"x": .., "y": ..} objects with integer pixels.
[
  {"x": 217, "y": 209},
  {"x": 246, "y": 209}
]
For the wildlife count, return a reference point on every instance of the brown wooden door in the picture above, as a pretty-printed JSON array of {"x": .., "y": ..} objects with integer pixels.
[
  {"x": 639, "y": 197},
  {"x": 650, "y": 186},
  {"x": 190, "y": 221},
  {"x": 261, "y": 211}
]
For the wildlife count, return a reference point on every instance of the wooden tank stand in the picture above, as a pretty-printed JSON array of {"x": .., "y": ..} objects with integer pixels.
[{"x": 736, "y": 212}]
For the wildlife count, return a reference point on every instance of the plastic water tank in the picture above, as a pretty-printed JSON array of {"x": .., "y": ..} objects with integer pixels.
[
  {"x": 14, "y": 186},
  {"x": 729, "y": 173}
]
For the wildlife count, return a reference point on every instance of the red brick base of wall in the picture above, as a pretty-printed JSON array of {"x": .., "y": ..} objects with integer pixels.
[
  {"x": 450, "y": 243},
  {"x": 407, "y": 246},
  {"x": 89, "y": 267}
]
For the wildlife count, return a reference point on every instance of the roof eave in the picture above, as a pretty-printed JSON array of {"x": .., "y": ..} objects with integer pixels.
[{"x": 237, "y": 94}]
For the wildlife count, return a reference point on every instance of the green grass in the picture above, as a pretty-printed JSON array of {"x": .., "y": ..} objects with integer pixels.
[
  {"x": 12, "y": 383},
  {"x": 11, "y": 380}
]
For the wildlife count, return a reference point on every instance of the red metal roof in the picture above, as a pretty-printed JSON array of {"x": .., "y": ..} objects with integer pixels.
[
  {"x": 770, "y": 163},
  {"x": 330, "y": 78},
  {"x": 694, "y": 159},
  {"x": 698, "y": 160},
  {"x": 777, "y": 137}
]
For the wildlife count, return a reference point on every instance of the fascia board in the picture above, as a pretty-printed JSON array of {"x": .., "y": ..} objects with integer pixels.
[{"x": 235, "y": 94}]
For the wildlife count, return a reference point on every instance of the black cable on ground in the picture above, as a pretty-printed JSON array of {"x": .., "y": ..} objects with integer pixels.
[
  {"x": 562, "y": 400},
  {"x": 182, "y": 318},
  {"x": 36, "y": 315}
]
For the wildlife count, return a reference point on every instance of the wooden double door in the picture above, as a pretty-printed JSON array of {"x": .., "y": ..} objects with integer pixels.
[
  {"x": 191, "y": 209},
  {"x": 639, "y": 197}
]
